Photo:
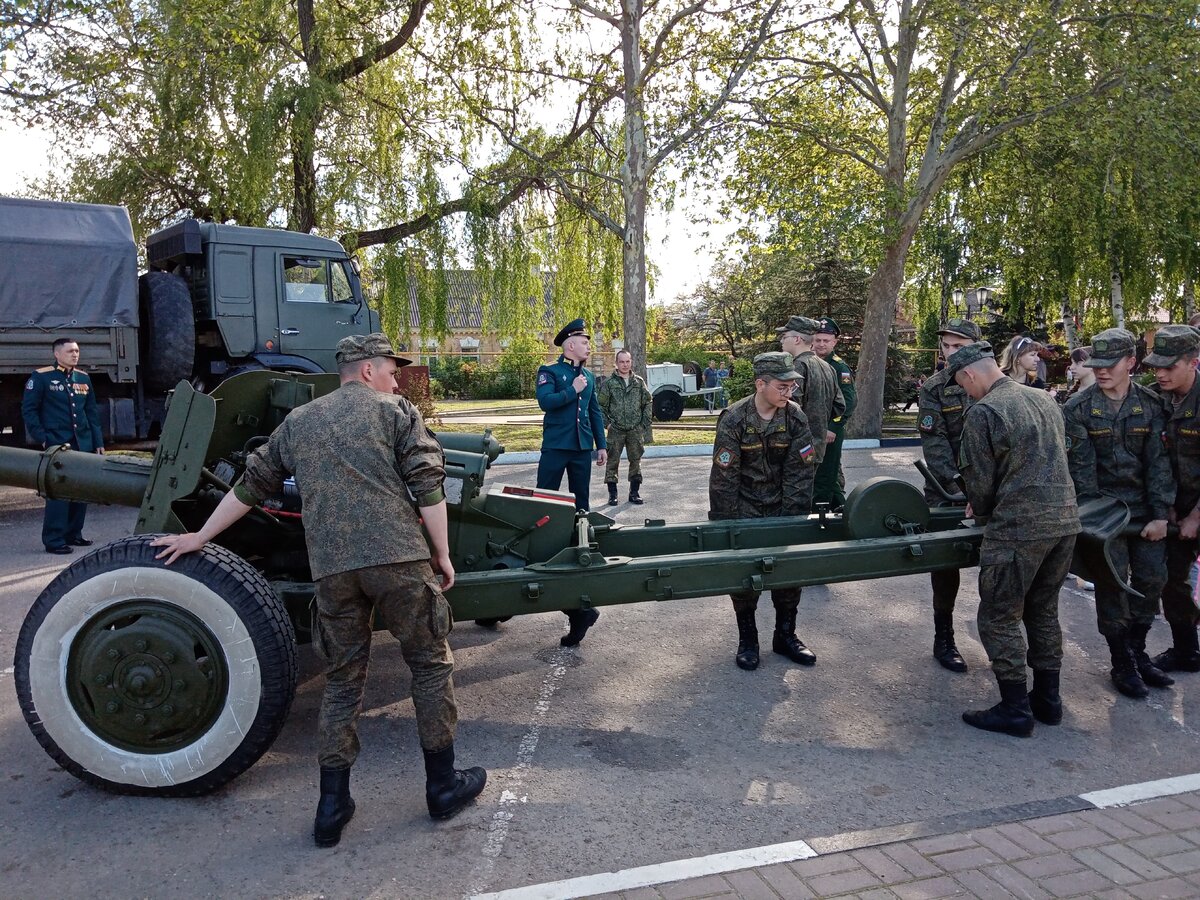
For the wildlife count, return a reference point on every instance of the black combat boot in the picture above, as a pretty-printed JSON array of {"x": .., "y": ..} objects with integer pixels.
[
  {"x": 944, "y": 650},
  {"x": 1185, "y": 655},
  {"x": 1012, "y": 715},
  {"x": 491, "y": 623},
  {"x": 785, "y": 642},
  {"x": 635, "y": 484},
  {"x": 1124, "y": 671},
  {"x": 581, "y": 620},
  {"x": 447, "y": 789},
  {"x": 335, "y": 808},
  {"x": 1151, "y": 674},
  {"x": 612, "y": 493},
  {"x": 1044, "y": 699},
  {"x": 747, "y": 651}
]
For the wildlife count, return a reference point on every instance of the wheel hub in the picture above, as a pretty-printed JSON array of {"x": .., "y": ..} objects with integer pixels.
[{"x": 146, "y": 676}]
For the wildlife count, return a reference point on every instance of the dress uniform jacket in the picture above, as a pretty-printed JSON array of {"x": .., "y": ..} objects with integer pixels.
[
  {"x": 941, "y": 410},
  {"x": 1121, "y": 455},
  {"x": 761, "y": 469},
  {"x": 572, "y": 421},
  {"x": 846, "y": 382},
  {"x": 59, "y": 407}
]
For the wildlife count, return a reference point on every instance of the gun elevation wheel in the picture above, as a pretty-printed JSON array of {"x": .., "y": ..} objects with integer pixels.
[
  {"x": 143, "y": 679},
  {"x": 667, "y": 406}
]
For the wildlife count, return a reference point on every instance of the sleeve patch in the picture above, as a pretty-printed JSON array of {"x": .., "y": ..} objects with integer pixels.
[
  {"x": 847, "y": 378},
  {"x": 543, "y": 378},
  {"x": 1068, "y": 442},
  {"x": 724, "y": 458},
  {"x": 29, "y": 385},
  {"x": 806, "y": 452},
  {"x": 926, "y": 423}
]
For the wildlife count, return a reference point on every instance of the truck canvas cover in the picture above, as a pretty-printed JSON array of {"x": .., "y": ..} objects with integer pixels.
[{"x": 66, "y": 265}]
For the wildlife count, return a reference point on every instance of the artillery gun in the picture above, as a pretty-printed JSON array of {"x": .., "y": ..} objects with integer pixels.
[{"x": 144, "y": 679}]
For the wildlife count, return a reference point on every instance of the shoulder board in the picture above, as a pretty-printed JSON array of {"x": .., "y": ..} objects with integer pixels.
[{"x": 45, "y": 369}]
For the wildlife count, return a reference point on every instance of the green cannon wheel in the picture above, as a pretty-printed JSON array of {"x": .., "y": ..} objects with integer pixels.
[{"x": 146, "y": 679}]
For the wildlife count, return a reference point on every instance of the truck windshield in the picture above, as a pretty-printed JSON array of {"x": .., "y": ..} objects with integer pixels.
[{"x": 308, "y": 280}]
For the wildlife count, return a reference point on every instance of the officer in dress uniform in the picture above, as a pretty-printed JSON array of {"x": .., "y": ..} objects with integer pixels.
[
  {"x": 59, "y": 407},
  {"x": 571, "y": 428},
  {"x": 830, "y": 486}
]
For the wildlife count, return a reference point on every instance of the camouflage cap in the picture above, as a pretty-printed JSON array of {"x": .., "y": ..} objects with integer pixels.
[
  {"x": 965, "y": 356},
  {"x": 358, "y": 347},
  {"x": 1170, "y": 343},
  {"x": 961, "y": 327},
  {"x": 776, "y": 365},
  {"x": 1109, "y": 347},
  {"x": 800, "y": 325},
  {"x": 826, "y": 325}
]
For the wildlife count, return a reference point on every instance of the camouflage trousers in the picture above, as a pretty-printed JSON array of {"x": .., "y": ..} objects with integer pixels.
[
  {"x": 1145, "y": 562},
  {"x": 945, "y": 584},
  {"x": 1178, "y": 600},
  {"x": 409, "y": 603},
  {"x": 1019, "y": 583},
  {"x": 784, "y": 599},
  {"x": 631, "y": 442}
]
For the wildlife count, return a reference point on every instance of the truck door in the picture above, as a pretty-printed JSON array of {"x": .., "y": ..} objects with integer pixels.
[{"x": 317, "y": 307}]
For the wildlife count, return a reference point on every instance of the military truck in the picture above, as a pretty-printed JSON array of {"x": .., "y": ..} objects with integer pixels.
[{"x": 215, "y": 301}]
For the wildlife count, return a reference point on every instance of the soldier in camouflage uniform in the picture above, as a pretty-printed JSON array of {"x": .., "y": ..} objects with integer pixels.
[
  {"x": 1014, "y": 461},
  {"x": 818, "y": 393},
  {"x": 369, "y": 473},
  {"x": 763, "y": 465},
  {"x": 1115, "y": 448},
  {"x": 626, "y": 404},
  {"x": 941, "y": 409},
  {"x": 830, "y": 485},
  {"x": 1173, "y": 359}
]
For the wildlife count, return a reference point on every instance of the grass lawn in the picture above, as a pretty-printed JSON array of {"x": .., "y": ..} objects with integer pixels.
[
  {"x": 453, "y": 406},
  {"x": 529, "y": 437}
]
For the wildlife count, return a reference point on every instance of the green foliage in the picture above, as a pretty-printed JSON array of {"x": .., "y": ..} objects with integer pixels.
[{"x": 740, "y": 382}]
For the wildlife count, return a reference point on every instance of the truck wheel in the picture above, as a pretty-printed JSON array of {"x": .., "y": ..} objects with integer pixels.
[
  {"x": 668, "y": 406},
  {"x": 144, "y": 679},
  {"x": 168, "y": 342}
]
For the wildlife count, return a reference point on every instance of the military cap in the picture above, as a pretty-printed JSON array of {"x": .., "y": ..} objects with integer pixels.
[
  {"x": 826, "y": 325},
  {"x": 367, "y": 346},
  {"x": 776, "y": 365},
  {"x": 1109, "y": 347},
  {"x": 1170, "y": 343},
  {"x": 965, "y": 356},
  {"x": 801, "y": 325},
  {"x": 961, "y": 327},
  {"x": 571, "y": 329}
]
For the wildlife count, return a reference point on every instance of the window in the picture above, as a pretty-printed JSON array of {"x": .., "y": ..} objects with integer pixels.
[{"x": 309, "y": 280}]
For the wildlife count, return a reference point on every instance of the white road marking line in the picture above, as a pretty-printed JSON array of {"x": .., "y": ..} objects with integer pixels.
[
  {"x": 1147, "y": 790},
  {"x": 662, "y": 873},
  {"x": 510, "y": 797},
  {"x": 7, "y": 671}
]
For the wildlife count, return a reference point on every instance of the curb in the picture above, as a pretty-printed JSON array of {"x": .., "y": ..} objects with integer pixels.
[{"x": 793, "y": 851}]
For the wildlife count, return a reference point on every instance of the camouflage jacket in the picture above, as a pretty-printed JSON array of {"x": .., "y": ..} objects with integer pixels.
[
  {"x": 761, "y": 468},
  {"x": 1121, "y": 456},
  {"x": 820, "y": 396},
  {"x": 360, "y": 459},
  {"x": 1014, "y": 461},
  {"x": 941, "y": 408},
  {"x": 1183, "y": 447},
  {"x": 626, "y": 406}
]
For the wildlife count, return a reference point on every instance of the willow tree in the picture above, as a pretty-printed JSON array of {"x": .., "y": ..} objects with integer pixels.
[{"x": 902, "y": 92}]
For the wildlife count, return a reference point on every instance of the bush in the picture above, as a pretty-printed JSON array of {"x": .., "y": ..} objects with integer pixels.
[{"x": 740, "y": 382}]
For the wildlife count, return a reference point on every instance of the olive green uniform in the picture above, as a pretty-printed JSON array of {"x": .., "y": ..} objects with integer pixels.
[
  {"x": 1013, "y": 459},
  {"x": 359, "y": 458},
  {"x": 1120, "y": 454},
  {"x": 761, "y": 469},
  {"x": 820, "y": 396},
  {"x": 626, "y": 406},
  {"x": 1183, "y": 449},
  {"x": 830, "y": 485},
  {"x": 941, "y": 410}
]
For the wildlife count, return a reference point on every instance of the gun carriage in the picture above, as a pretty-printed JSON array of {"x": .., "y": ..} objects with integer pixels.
[{"x": 145, "y": 679}]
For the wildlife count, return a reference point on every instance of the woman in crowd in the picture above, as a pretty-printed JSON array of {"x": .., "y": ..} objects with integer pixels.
[
  {"x": 1020, "y": 361},
  {"x": 1082, "y": 377}
]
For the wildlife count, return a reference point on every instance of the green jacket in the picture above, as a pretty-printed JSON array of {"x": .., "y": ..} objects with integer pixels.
[
  {"x": 1183, "y": 447},
  {"x": 941, "y": 408},
  {"x": 626, "y": 406},
  {"x": 846, "y": 380},
  {"x": 761, "y": 469}
]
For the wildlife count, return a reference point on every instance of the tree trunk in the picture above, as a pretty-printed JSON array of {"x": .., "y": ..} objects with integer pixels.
[
  {"x": 1068, "y": 317},
  {"x": 635, "y": 179},
  {"x": 1189, "y": 298},
  {"x": 882, "y": 293},
  {"x": 1118, "y": 298}
]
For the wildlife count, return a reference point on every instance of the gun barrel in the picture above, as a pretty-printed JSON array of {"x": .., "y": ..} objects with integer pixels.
[{"x": 60, "y": 473}]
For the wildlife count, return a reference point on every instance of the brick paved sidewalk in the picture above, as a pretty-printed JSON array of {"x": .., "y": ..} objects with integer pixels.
[{"x": 1147, "y": 849}]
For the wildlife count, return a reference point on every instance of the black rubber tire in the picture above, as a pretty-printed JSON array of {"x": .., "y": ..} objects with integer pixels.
[
  {"x": 236, "y": 606},
  {"x": 168, "y": 331},
  {"x": 668, "y": 406}
]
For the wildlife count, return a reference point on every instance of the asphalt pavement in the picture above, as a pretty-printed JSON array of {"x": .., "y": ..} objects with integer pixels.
[{"x": 644, "y": 746}]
